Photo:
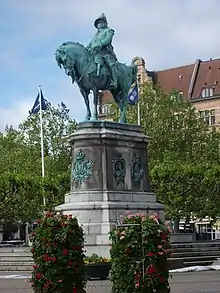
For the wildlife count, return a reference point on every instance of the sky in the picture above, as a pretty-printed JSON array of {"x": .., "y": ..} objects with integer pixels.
[{"x": 164, "y": 33}]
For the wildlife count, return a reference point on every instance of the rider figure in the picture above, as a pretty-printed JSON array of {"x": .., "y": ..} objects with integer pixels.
[{"x": 101, "y": 48}]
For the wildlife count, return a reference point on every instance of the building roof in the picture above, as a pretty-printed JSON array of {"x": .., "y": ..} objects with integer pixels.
[
  {"x": 190, "y": 79},
  {"x": 208, "y": 76}
]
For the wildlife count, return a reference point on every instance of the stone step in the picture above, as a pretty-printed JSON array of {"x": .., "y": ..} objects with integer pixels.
[
  {"x": 196, "y": 244},
  {"x": 16, "y": 268},
  {"x": 15, "y": 254},
  {"x": 195, "y": 249},
  {"x": 200, "y": 258},
  {"x": 15, "y": 249},
  {"x": 197, "y": 263},
  {"x": 12, "y": 258},
  {"x": 17, "y": 263},
  {"x": 195, "y": 253}
]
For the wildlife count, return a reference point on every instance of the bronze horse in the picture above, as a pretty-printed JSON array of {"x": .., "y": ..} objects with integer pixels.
[{"x": 80, "y": 66}]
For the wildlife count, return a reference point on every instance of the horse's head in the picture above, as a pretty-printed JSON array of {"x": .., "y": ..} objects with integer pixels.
[
  {"x": 60, "y": 57},
  {"x": 67, "y": 56}
]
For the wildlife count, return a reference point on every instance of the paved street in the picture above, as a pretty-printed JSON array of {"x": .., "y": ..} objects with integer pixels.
[{"x": 198, "y": 282}]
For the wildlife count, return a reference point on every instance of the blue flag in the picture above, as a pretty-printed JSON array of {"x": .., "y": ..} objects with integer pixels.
[
  {"x": 36, "y": 107},
  {"x": 133, "y": 94}
]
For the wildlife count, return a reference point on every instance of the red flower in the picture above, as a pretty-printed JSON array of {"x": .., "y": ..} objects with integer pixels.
[
  {"x": 164, "y": 236},
  {"x": 46, "y": 257},
  {"x": 35, "y": 267},
  {"x": 161, "y": 278},
  {"x": 70, "y": 263},
  {"x": 32, "y": 250},
  {"x": 151, "y": 269},
  {"x": 74, "y": 290},
  {"x": 150, "y": 254},
  {"x": 137, "y": 285},
  {"x": 38, "y": 275},
  {"x": 49, "y": 214},
  {"x": 77, "y": 248},
  {"x": 65, "y": 252},
  {"x": 38, "y": 221}
]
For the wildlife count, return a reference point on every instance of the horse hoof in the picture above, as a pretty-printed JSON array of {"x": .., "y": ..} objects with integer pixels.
[
  {"x": 87, "y": 118},
  {"x": 95, "y": 118}
]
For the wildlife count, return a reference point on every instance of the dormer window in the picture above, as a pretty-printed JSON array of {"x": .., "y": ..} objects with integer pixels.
[{"x": 207, "y": 92}]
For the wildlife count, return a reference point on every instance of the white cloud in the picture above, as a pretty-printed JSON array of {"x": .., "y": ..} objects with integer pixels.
[
  {"x": 13, "y": 115},
  {"x": 164, "y": 33}
]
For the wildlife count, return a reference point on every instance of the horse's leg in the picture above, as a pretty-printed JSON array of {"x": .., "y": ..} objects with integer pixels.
[
  {"x": 95, "y": 104},
  {"x": 123, "y": 107},
  {"x": 85, "y": 95}
]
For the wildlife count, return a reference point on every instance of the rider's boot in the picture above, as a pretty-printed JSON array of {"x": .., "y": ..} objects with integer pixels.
[{"x": 114, "y": 81}]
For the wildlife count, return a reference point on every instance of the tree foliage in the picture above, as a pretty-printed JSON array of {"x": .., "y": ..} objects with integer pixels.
[
  {"x": 187, "y": 190},
  {"x": 22, "y": 187},
  {"x": 181, "y": 146}
]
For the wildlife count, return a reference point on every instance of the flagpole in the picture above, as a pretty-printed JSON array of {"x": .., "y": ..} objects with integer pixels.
[
  {"x": 138, "y": 112},
  {"x": 42, "y": 140},
  {"x": 138, "y": 105}
]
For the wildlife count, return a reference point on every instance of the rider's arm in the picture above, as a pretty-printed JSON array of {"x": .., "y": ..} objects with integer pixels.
[{"x": 108, "y": 38}]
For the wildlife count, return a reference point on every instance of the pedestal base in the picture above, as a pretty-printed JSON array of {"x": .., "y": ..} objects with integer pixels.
[
  {"x": 109, "y": 178},
  {"x": 98, "y": 212}
]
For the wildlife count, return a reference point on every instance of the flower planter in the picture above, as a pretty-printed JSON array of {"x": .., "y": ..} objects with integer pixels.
[{"x": 98, "y": 270}]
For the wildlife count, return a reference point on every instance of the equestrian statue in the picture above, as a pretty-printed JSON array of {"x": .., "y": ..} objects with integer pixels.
[{"x": 96, "y": 68}]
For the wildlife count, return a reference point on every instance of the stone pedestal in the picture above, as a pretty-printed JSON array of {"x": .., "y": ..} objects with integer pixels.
[{"x": 109, "y": 178}]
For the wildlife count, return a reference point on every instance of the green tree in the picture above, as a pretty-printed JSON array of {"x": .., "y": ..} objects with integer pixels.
[
  {"x": 180, "y": 147},
  {"x": 20, "y": 164},
  {"x": 187, "y": 189},
  {"x": 171, "y": 123}
]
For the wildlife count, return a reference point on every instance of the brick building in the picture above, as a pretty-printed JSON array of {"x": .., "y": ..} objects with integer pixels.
[{"x": 198, "y": 82}]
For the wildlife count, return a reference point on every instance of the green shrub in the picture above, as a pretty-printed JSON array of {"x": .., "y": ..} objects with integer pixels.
[
  {"x": 57, "y": 248},
  {"x": 140, "y": 248}
]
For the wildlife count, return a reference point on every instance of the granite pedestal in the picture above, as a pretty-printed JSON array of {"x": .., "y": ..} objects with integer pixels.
[{"x": 109, "y": 178}]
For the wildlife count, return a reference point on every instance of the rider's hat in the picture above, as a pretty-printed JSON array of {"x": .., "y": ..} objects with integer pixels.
[{"x": 101, "y": 17}]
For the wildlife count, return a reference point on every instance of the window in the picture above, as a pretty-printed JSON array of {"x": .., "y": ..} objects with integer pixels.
[
  {"x": 212, "y": 113},
  {"x": 208, "y": 116},
  {"x": 106, "y": 109},
  {"x": 207, "y": 92}
]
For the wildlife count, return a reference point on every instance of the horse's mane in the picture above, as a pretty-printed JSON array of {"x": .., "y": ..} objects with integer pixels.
[{"x": 73, "y": 44}]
